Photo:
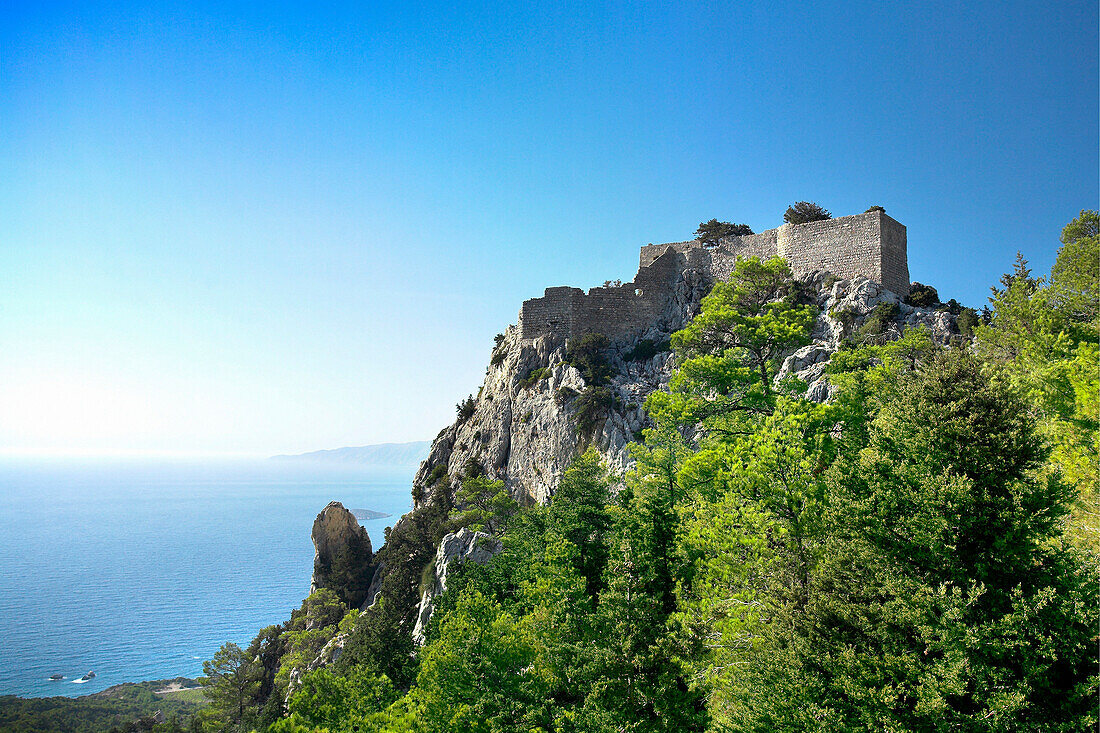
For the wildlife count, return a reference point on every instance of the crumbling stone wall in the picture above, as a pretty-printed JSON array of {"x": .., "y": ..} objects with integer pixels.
[{"x": 871, "y": 244}]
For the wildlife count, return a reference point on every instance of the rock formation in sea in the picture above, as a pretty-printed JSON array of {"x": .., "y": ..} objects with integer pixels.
[{"x": 344, "y": 557}]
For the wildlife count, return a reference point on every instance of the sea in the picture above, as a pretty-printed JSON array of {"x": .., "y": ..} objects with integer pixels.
[{"x": 140, "y": 569}]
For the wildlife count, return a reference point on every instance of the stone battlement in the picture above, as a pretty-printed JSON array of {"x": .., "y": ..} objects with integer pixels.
[{"x": 872, "y": 245}]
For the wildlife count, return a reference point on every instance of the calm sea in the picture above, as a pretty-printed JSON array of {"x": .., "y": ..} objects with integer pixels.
[{"x": 141, "y": 570}]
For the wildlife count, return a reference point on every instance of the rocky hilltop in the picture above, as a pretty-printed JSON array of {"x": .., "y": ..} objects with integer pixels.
[{"x": 521, "y": 427}]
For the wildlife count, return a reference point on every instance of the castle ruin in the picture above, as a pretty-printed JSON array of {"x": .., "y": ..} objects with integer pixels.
[{"x": 872, "y": 245}]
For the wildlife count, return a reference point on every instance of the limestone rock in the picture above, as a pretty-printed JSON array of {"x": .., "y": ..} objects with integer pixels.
[
  {"x": 330, "y": 653},
  {"x": 375, "y": 586},
  {"x": 342, "y": 561},
  {"x": 465, "y": 545}
]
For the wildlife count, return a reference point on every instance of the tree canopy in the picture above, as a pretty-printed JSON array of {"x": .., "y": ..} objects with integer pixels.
[
  {"x": 711, "y": 233},
  {"x": 803, "y": 212}
]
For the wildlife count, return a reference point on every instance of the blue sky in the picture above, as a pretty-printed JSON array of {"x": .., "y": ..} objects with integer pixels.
[{"x": 284, "y": 227}]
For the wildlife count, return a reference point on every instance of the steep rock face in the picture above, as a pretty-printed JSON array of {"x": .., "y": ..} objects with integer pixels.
[
  {"x": 463, "y": 546},
  {"x": 343, "y": 557},
  {"x": 523, "y": 428}
]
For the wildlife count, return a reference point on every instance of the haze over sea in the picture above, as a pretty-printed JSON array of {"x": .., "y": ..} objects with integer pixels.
[{"x": 141, "y": 569}]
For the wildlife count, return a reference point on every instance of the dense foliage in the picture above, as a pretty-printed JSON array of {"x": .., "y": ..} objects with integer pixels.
[
  {"x": 803, "y": 212},
  {"x": 711, "y": 233},
  {"x": 918, "y": 553}
]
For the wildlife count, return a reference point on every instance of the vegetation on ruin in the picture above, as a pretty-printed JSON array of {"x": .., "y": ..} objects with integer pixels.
[
  {"x": 711, "y": 233},
  {"x": 803, "y": 212}
]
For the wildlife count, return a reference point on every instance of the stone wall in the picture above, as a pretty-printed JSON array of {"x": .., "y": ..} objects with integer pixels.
[
  {"x": 871, "y": 244},
  {"x": 615, "y": 311},
  {"x": 894, "y": 262}
]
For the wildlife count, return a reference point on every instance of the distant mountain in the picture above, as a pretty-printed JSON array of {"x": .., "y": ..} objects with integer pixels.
[{"x": 384, "y": 454}]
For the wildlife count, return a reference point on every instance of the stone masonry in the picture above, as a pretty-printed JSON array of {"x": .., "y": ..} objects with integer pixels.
[{"x": 872, "y": 245}]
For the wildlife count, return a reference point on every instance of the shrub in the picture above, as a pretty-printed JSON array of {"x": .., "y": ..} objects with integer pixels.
[
  {"x": 922, "y": 296},
  {"x": 802, "y": 212},
  {"x": 967, "y": 320},
  {"x": 711, "y": 233},
  {"x": 799, "y": 292},
  {"x": 846, "y": 316},
  {"x": 564, "y": 394},
  {"x": 878, "y": 320},
  {"x": 466, "y": 408},
  {"x": 875, "y": 208},
  {"x": 472, "y": 469},
  {"x": 440, "y": 471},
  {"x": 592, "y": 407},
  {"x": 497, "y": 358},
  {"x": 952, "y": 306},
  {"x": 586, "y": 354},
  {"x": 646, "y": 349},
  {"x": 534, "y": 377}
]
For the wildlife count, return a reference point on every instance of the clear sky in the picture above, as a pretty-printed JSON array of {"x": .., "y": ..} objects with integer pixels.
[{"x": 283, "y": 227}]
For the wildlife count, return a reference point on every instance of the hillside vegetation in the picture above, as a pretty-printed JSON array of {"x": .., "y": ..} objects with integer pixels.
[
  {"x": 122, "y": 708},
  {"x": 909, "y": 545},
  {"x": 916, "y": 553}
]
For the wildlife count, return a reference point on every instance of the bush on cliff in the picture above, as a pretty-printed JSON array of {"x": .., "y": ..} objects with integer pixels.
[
  {"x": 922, "y": 296},
  {"x": 465, "y": 410}
]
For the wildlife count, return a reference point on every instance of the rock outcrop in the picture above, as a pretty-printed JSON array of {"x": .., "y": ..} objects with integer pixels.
[
  {"x": 459, "y": 547},
  {"x": 343, "y": 558}
]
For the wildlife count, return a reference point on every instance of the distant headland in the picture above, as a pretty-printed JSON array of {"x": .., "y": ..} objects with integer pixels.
[{"x": 381, "y": 454}]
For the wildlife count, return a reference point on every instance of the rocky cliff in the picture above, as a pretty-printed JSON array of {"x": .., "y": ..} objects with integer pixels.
[{"x": 522, "y": 426}]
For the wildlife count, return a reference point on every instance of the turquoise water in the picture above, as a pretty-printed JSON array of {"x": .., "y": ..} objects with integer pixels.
[{"x": 141, "y": 570}]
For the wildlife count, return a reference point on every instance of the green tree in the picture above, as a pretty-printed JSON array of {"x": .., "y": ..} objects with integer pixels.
[
  {"x": 1045, "y": 336},
  {"x": 729, "y": 354},
  {"x": 711, "y": 233},
  {"x": 231, "y": 681},
  {"x": 579, "y": 514},
  {"x": 922, "y": 296},
  {"x": 802, "y": 212},
  {"x": 484, "y": 505},
  {"x": 750, "y": 539},
  {"x": 1074, "y": 281},
  {"x": 344, "y": 703},
  {"x": 380, "y": 639},
  {"x": 941, "y": 600},
  {"x": 311, "y": 626},
  {"x": 480, "y": 673},
  {"x": 639, "y": 683}
]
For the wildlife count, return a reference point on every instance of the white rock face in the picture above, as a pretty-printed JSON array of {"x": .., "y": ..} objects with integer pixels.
[
  {"x": 463, "y": 546},
  {"x": 330, "y": 653}
]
